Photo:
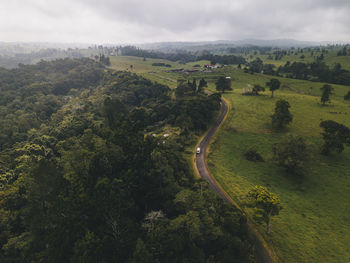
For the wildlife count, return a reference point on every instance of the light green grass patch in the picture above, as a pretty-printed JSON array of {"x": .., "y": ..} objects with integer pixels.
[{"x": 314, "y": 223}]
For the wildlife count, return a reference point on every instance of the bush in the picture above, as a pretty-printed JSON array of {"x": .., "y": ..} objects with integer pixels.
[
  {"x": 253, "y": 156},
  {"x": 282, "y": 116},
  {"x": 291, "y": 153}
]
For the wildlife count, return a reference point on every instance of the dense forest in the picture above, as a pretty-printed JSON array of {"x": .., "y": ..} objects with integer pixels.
[
  {"x": 182, "y": 56},
  {"x": 92, "y": 170}
]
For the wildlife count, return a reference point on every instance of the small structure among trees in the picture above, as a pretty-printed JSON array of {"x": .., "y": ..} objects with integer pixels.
[
  {"x": 267, "y": 204},
  {"x": 282, "y": 117}
]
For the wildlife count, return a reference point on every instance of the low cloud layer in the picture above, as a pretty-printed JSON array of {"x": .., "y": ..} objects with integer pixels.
[{"x": 132, "y": 21}]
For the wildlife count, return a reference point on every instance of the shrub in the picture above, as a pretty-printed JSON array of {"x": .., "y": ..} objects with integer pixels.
[{"x": 253, "y": 156}]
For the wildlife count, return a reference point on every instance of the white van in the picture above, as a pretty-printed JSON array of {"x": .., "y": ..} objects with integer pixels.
[{"x": 198, "y": 150}]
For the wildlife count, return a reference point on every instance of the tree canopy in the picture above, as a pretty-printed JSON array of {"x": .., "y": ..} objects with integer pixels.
[
  {"x": 292, "y": 154},
  {"x": 327, "y": 90},
  {"x": 87, "y": 174},
  {"x": 281, "y": 116},
  {"x": 335, "y": 135},
  {"x": 267, "y": 204},
  {"x": 273, "y": 84},
  {"x": 223, "y": 83}
]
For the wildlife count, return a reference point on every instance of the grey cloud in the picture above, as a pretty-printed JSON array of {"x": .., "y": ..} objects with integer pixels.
[{"x": 156, "y": 20}]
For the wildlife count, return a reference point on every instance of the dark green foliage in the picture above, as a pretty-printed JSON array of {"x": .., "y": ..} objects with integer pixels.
[
  {"x": 292, "y": 154},
  {"x": 256, "y": 65},
  {"x": 282, "y": 117},
  {"x": 257, "y": 89},
  {"x": 316, "y": 71},
  {"x": 194, "y": 85},
  {"x": 223, "y": 84},
  {"x": 253, "y": 156},
  {"x": 224, "y": 60},
  {"x": 105, "y": 60},
  {"x": 273, "y": 84},
  {"x": 327, "y": 90},
  {"x": 86, "y": 174},
  {"x": 267, "y": 204},
  {"x": 161, "y": 65},
  {"x": 347, "y": 96},
  {"x": 182, "y": 56},
  {"x": 202, "y": 84},
  {"x": 335, "y": 135},
  {"x": 137, "y": 52}
]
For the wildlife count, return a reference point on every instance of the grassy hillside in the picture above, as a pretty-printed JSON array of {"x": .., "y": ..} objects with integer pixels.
[
  {"x": 314, "y": 223},
  {"x": 144, "y": 67}
]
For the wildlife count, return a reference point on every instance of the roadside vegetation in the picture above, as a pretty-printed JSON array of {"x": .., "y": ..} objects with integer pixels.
[{"x": 313, "y": 188}]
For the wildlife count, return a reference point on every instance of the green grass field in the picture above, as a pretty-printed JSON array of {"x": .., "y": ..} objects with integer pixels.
[
  {"x": 314, "y": 224},
  {"x": 144, "y": 67}
]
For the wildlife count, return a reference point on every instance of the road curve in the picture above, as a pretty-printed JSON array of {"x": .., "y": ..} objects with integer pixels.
[{"x": 261, "y": 253}]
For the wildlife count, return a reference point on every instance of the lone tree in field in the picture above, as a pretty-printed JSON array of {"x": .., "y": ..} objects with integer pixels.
[
  {"x": 282, "y": 116},
  {"x": 291, "y": 153},
  {"x": 256, "y": 89},
  {"x": 335, "y": 135},
  {"x": 202, "y": 84},
  {"x": 327, "y": 90},
  {"x": 223, "y": 84},
  {"x": 267, "y": 203},
  {"x": 273, "y": 84}
]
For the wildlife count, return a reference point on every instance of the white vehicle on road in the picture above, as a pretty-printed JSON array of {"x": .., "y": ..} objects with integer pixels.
[{"x": 198, "y": 150}]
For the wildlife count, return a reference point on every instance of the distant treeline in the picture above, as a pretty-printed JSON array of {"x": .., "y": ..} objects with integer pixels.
[
  {"x": 161, "y": 65},
  {"x": 182, "y": 56},
  {"x": 225, "y": 60},
  {"x": 315, "y": 71}
]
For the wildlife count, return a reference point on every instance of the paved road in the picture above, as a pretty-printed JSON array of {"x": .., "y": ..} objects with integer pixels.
[
  {"x": 261, "y": 254},
  {"x": 200, "y": 158}
]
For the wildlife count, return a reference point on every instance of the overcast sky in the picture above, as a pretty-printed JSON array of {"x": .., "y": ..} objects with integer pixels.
[{"x": 136, "y": 21}]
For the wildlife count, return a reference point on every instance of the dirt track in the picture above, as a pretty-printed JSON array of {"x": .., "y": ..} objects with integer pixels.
[{"x": 261, "y": 253}]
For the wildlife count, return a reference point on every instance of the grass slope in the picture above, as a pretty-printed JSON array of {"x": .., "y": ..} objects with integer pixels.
[{"x": 314, "y": 224}]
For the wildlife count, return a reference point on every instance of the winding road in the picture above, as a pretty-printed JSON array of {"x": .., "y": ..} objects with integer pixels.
[{"x": 262, "y": 255}]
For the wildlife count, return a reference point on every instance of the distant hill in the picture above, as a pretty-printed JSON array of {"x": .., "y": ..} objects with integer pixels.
[{"x": 202, "y": 45}]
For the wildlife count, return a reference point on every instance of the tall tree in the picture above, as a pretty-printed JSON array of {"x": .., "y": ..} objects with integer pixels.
[
  {"x": 327, "y": 90},
  {"x": 282, "y": 116},
  {"x": 202, "y": 84},
  {"x": 335, "y": 135},
  {"x": 291, "y": 153},
  {"x": 267, "y": 203},
  {"x": 273, "y": 84},
  {"x": 194, "y": 85},
  {"x": 223, "y": 83}
]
